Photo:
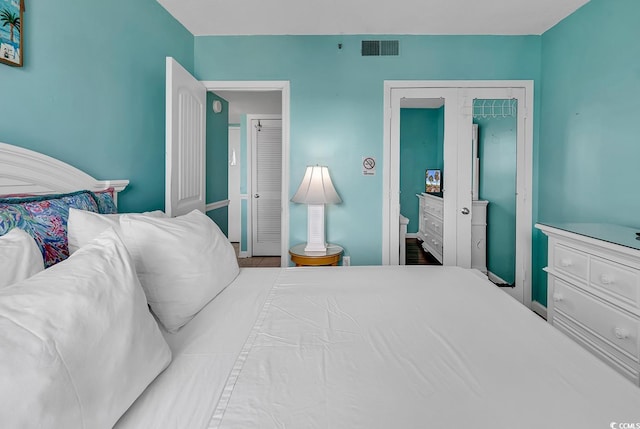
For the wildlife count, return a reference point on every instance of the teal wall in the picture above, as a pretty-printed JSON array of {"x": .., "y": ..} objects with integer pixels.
[
  {"x": 217, "y": 181},
  {"x": 497, "y": 153},
  {"x": 421, "y": 147},
  {"x": 91, "y": 91},
  {"x": 337, "y": 106},
  {"x": 588, "y": 147}
]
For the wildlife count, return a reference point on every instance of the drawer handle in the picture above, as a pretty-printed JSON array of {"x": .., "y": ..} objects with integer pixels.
[
  {"x": 621, "y": 333},
  {"x": 566, "y": 262},
  {"x": 606, "y": 279},
  {"x": 557, "y": 297}
]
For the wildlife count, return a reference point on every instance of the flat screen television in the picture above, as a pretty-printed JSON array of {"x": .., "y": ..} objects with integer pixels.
[{"x": 433, "y": 181}]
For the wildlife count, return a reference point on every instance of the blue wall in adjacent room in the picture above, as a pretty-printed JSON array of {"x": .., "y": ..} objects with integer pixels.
[
  {"x": 337, "y": 106},
  {"x": 421, "y": 147},
  {"x": 217, "y": 180},
  {"x": 92, "y": 90},
  {"x": 588, "y": 146}
]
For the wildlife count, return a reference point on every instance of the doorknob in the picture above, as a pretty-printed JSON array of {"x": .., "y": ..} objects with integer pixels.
[
  {"x": 256, "y": 195},
  {"x": 465, "y": 211}
]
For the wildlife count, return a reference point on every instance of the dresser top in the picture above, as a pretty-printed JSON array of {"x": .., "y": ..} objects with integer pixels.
[{"x": 615, "y": 234}]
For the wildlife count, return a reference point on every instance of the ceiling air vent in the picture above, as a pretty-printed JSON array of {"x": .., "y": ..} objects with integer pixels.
[{"x": 380, "y": 47}]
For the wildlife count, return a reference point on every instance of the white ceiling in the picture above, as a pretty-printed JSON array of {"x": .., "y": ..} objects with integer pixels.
[
  {"x": 421, "y": 103},
  {"x": 260, "y": 17},
  {"x": 251, "y": 102}
]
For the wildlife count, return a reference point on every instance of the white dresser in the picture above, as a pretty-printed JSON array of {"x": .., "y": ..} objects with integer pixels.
[
  {"x": 594, "y": 290},
  {"x": 431, "y": 226}
]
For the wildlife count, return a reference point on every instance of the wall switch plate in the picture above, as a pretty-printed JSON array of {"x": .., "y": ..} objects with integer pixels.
[{"x": 346, "y": 261}]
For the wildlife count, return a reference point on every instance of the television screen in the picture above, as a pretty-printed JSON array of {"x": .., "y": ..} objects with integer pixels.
[{"x": 433, "y": 181}]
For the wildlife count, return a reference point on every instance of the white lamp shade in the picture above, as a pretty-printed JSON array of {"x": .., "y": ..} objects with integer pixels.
[{"x": 316, "y": 187}]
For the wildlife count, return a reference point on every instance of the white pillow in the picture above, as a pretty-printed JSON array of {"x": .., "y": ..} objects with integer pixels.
[
  {"x": 182, "y": 263},
  {"x": 77, "y": 342},
  {"x": 83, "y": 226},
  {"x": 20, "y": 257}
]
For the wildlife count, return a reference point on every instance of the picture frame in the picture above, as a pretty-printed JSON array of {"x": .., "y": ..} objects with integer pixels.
[
  {"x": 11, "y": 31},
  {"x": 433, "y": 181}
]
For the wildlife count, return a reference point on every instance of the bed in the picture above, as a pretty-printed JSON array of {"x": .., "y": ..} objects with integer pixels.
[{"x": 348, "y": 347}]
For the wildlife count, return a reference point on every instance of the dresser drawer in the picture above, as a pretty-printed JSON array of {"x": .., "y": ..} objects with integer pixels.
[
  {"x": 570, "y": 261},
  {"x": 434, "y": 225},
  {"x": 612, "y": 325},
  {"x": 433, "y": 243},
  {"x": 617, "y": 280},
  {"x": 433, "y": 208}
]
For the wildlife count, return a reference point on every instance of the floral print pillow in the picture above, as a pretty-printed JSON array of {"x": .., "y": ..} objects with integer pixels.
[
  {"x": 45, "y": 219},
  {"x": 106, "y": 203}
]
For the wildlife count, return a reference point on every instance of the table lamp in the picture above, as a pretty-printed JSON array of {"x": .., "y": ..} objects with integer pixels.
[{"x": 316, "y": 190}]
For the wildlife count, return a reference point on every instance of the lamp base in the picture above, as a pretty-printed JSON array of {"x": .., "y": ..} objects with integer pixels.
[
  {"x": 315, "y": 251},
  {"x": 316, "y": 244}
]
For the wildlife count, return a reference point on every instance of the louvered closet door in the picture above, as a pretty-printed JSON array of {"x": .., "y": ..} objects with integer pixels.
[{"x": 266, "y": 186}]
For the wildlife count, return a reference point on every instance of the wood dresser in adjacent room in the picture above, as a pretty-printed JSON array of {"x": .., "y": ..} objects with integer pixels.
[{"x": 594, "y": 290}]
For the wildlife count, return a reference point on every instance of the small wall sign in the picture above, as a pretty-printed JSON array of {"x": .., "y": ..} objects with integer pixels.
[{"x": 368, "y": 166}]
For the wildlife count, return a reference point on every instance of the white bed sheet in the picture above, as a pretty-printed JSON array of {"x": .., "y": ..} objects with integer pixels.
[
  {"x": 204, "y": 352},
  {"x": 413, "y": 347}
]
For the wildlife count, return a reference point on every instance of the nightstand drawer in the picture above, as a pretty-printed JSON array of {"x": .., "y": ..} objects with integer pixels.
[
  {"x": 609, "y": 323},
  {"x": 618, "y": 280},
  {"x": 570, "y": 261}
]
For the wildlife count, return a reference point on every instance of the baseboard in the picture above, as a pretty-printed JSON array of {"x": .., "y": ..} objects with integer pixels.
[
  {"x": 539, "y": 309},
  {"x": 411, "y": 235},
  {"x": 243, "y": 254}
]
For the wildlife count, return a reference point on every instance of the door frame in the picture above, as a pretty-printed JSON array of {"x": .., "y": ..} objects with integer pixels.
[
  {"x": 268, "y": 85},
  {"x": 250, "y": 169},
  {"x": 233, "y": 195},
  {"x": 524, "y": 166}
]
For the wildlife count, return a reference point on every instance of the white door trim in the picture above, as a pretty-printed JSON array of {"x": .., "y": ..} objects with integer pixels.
[
  {"x": 284, "y": 87},
  {"x": 524, "y": 217}
]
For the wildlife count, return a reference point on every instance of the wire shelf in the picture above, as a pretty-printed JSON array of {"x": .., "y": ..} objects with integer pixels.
[{"x": 491, "y": 109}]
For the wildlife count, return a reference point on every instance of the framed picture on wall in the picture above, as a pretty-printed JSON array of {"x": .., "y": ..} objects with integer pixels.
[{"x": 11, "y": 30}]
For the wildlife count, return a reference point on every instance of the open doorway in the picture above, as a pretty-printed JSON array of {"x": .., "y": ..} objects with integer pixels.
[
  {"x": 187, "y": 103},
  {"x": 255, "y": 172},
  {"x": 249, "y": 100}
]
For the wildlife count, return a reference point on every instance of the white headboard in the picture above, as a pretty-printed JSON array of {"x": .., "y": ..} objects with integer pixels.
[{"x": 24, "y": 171}]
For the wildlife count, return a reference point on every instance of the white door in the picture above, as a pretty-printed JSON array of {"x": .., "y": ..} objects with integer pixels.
[
  {"x": 234, "y": 185},
  {"x": 266, "y": 186},
  {"x": 185, "y": 141}
]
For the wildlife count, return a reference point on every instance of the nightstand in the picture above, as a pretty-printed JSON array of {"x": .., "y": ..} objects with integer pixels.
[{"x": 303, "y": 259}]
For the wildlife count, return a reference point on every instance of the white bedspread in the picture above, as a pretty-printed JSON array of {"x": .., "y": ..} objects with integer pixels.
[
  {"x": 412, "y": 347},
  {"x": 204, "y": 351}
]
